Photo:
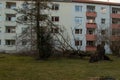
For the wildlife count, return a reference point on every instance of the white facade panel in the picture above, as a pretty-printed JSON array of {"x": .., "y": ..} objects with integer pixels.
[{"x": 68, "y": 18}]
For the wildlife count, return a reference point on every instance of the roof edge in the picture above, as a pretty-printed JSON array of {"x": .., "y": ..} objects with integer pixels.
[{"x": 97, "y": 2}]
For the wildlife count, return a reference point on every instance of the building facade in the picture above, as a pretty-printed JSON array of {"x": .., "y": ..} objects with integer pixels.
[{"x": 84, "y": 21}]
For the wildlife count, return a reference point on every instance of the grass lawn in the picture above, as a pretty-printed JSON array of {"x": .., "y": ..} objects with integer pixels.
[{"x": 27, "y": 68}]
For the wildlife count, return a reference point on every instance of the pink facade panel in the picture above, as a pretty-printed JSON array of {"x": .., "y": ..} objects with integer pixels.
[
  {"x": 90, "y": 48},
  {"x": 91, "y": 25},
  {"x": 90, "y": 37},
  {"x": 91, "y": 14},
  {"x": 115, "y": 26},
  {"x": 115, "y": 15},
  {"x": 115, "y": 38}
]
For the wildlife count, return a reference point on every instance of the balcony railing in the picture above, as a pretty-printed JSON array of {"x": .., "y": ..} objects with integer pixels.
[
  {"x": 10, "y": 23},
  {"x": 91, "y": 25},
  {"x": 90, "y": 48},
  {"x": 10, "y": 11},
  {"x": 115, "y": 37},
  {"x": 90, "y": 37},
  {"x": 91, "y": 14},
  {"x": 113, "y": 15},
  {"x": 115, "y": 26}
]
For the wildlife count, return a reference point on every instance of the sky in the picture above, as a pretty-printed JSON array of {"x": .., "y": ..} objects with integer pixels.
[{"x": 118, "y": 1}]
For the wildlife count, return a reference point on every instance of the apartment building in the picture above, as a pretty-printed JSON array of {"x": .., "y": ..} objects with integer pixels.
[
  {"x": 87, "y": 22},
  {"x": 82, "y": 20},
  {"x": 115, "y": 22},
  {"x": 8, "y": 26}
]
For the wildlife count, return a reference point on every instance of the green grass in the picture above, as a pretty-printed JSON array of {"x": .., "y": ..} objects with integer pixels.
[{"x": 27, "y": 68}]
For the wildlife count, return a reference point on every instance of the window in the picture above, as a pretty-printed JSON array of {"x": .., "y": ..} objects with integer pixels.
[
  {"x": 55, "y": 7},
  {"x": 78, "y": 8},
  {"x": 10, "y": 5},
  {"x": 116, "y": 10},
  {"x": 55, "y": 18},
  {"x": 103, "y": 32},
  {"x": 90, "y": 20},
  {"x": 10, "y": 17},
  {"x": 78, "y": 20},
  {"x": 10, "y": 29},
  {"x": 90, "y": 8},
  {"x": 90, "y": 43},
  {"x": 103, "y": 21},
  {"x": 103, "y": 10},
  {"x": 24, "y": 42},
  {"x": 10, "y": 42},
  {"x": 78, "y": 31},
  {"x": 43, "y": 17},
  {"x": 24, "y": 29},
  {"x": 78, "y": 43},
  {"x": 115, "y": 21},
  {"x": 90, "y": 31},
  {"x": 55, "y": 30},
  {"x": 1, "y": 5}
]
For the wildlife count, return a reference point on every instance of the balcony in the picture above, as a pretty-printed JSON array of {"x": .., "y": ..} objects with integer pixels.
[
  {"x": 91, "y": 14},
  {"x": 90, "y": 37},
  {"x": 113, "y": 15},
  {"x": 90, "y": 48},
  {"x": 10, "y": 11},
  {"x": 10, "y": 23},
  {"x": 91, "y": 25},
  {"x": 115, "y": 26},
  {"x": 9, "y": 35},
  {"x": 115, "y": 38}
]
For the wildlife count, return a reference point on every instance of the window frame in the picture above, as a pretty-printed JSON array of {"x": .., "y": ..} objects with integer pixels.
[
  {"x": 55, "y": 30},
  {"x": 78, "y": 42},
  {"x": 55, "y": 18},
  {"x": 90, "y": 43},
  {"x": 10, "y": 29},
  {"x": 78, "y": 8},
  {"x": 78, "y": 20},
  {"x": 103, "y": 10},
  {"x": 78, "y": 31},
  {"x": 103, "y": 21},
  {"x": 55, "y": 7},
  {"x": 10, "y": 42}
]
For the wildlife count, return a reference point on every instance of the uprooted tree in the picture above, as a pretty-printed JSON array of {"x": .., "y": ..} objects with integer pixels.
[
  {"x": 103, "y": 38},
  {"x": 111, "y": 36},
  {"x": 38, "y": 34}
]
